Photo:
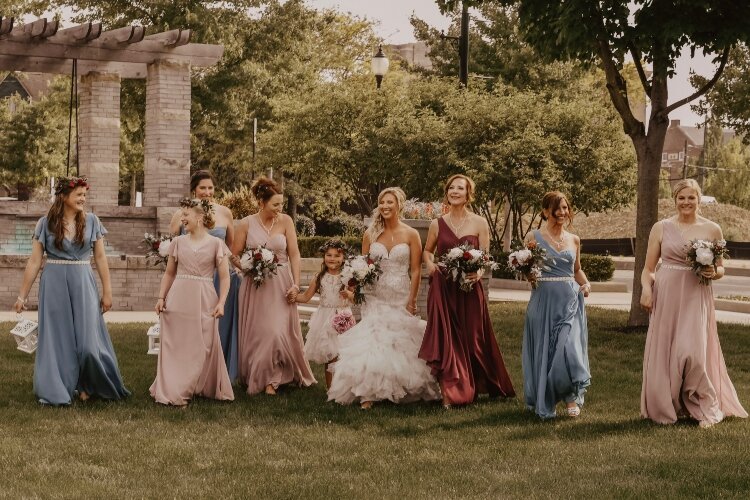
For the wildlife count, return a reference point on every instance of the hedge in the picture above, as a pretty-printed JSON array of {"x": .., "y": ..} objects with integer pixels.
[
  {"x": 596, "y": 267},
  {"x": 309, "y": 245}
]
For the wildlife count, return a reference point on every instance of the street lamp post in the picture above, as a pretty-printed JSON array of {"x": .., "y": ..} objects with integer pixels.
[{"x": 380, "y": 65}]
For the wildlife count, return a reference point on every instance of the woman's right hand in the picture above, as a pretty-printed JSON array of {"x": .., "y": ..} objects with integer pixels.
[
  {"x": 159, "y": 306},
  {"x": 431, "y": 268},
  {"x": 647, "y": 299},
  {"x": 19, "y": 306}
]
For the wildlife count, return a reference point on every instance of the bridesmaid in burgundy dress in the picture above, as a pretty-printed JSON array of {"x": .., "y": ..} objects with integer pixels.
[{"x": 459, "y": 343}]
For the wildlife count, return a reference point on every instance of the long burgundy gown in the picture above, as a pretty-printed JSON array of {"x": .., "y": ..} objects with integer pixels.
[{"x": 459, "y": 343}]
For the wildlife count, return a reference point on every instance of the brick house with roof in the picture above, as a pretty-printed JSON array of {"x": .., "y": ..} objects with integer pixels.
[{"x": 683, "y": 147}]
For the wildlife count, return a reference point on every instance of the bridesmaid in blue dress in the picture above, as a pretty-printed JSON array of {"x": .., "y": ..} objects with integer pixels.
[
  {"x": 75, "y": 353},
  {"x": 202, "y": 188},
  {"x": 555, "y": 337}
]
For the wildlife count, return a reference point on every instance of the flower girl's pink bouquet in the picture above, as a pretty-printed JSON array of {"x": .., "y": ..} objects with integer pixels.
[
  {"x": 703, "y": 253},
  {"x": 343, "y": 320},
  {"x": 527, "y": 262},
  {"x": 158, "y": 247},
  {"x": 260, "y": 263},
  {"x": 359, "y": 272},
  {"x": 462, "y": 260}
]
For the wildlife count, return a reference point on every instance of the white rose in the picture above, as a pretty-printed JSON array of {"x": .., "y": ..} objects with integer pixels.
[
  {"x": 145, "y": 235},
  {"x": 266, "y": 255},
  {"x": 164, "y": 247},
  {"x": 475, "y": 254},
  {"x": 704, "y": 256},
  {"x": 246, "y": 262},
  {"x": 455, "y": 253},
  {"x": 523, "y": 256}
]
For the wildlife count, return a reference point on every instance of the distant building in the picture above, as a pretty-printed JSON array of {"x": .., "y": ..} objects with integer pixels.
[
  {"x": 683, "y": 147},
  {"x": 414, "y": 54},
  {"x": 29, "y": 86}
]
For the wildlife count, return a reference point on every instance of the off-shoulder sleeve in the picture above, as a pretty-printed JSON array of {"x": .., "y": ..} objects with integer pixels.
[
  {"x": 40, "y": 232},
  {"x": 97, "y": 228},
  {"x": 222, "y": 251}
]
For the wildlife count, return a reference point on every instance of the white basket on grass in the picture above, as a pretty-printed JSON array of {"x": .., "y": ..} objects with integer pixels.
[
  {"x": 154, "y": 339},
  {"x": 26, "y": 333}
]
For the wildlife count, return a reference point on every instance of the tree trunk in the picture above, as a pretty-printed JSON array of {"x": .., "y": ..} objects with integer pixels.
[
  {"x": 291, "y": 202},
  {"x": 133, "y": 189}
]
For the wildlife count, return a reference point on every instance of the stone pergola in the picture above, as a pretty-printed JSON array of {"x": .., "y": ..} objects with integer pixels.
[{"x": 103, "y": 59}]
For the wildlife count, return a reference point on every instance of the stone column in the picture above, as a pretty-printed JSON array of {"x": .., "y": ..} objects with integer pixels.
[
  {"x": 167, "y": 143},
  {"x": 99, "y": 136}
]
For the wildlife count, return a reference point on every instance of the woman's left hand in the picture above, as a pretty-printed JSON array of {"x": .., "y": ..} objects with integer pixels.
[
  {"x": 586, "y": 289},
  {"x": 291, "y": 294},
  {"x": 708, "y": 272},
  {"x": 106, "y": 303},
  {"x": 411, "y": 308},
  {"x": 218, "y": 311},
  {"x": 474, "y": 277}
]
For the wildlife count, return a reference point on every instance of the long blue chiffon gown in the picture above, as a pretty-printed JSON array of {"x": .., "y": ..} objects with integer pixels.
[
  {"x": 74, "y": 352},
  {"x": 228, "y": 323},
  {"x": 555, "y": 337}
]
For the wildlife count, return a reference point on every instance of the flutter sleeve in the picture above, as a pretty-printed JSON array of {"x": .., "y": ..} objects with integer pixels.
[
  {"x": 98, "y": 230},
  {"x": 222, "y": 251},
  {"x": 40, "y": 232}
]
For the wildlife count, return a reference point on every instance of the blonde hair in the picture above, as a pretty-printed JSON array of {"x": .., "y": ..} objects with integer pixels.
[
  {"x": 470, "y": 187},
  {"x": 378, "y": 223},
  {"x": 686, "y": 183}
]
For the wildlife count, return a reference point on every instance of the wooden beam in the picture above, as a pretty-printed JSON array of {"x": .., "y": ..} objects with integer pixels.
[
  {"x": 126, "y": 35},
  {"x": 64, "y": 66},
  {"x": 78, "y": 34},
  {"x": 35, "y": 30},
  {"x": 6, "y": 26},
  {"x": 172, "y": 38},
  {"x": 146, "y": 51}
]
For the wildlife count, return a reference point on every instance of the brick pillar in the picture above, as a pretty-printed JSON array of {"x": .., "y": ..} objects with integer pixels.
[
  {"x": 167, "y": 144},
  {"x": 99, "y": 135}
]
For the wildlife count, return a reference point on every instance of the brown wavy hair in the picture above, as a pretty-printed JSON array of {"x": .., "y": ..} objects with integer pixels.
[
  {"x": 332, "y": 243},
  {"x": 199, "y": 176},
  {"x": 264, "y": 189},
  {"x": 470, "y": 188},
  {"x": 552, "y": 201},
  {"x": 55, "y": 215}
]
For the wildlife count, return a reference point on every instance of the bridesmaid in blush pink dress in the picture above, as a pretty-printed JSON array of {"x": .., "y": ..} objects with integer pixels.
[
  {"x": 683, "y": 367},
  {"x": 191, "y": 362},
  {"x": 271, "y": 349}
]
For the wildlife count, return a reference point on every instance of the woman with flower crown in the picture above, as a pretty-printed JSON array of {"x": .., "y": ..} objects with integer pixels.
[
  {"x": 202, "y": 188},
  {"x": 271, "y": 349},
  {"x": 459, "y": 343},
  {"x": 75, "y": 354},
  {"x": 684, "y": 373}
]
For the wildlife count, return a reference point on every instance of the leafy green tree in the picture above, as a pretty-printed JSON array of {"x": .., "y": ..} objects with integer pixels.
[
  {"x": 730, "y": 182},
  {"x": 604, "y": 33}
]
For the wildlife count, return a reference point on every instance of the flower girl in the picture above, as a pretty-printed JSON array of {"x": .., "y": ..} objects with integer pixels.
[
  {"x": 333, "y": 315},
  {"x": 190, "y": 358}
]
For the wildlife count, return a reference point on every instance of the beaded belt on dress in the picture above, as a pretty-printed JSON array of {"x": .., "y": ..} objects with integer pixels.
[
  {"x": 69, "y": 262},
  {"x": 676, "y": 267},
  {"x": 557, "y": 278},
  {"x": 193, "y": 277}
]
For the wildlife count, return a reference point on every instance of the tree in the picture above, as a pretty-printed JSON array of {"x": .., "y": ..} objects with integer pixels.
[
  {"x": 730, "y": 182},
  {"x": 605, "y": 32}
]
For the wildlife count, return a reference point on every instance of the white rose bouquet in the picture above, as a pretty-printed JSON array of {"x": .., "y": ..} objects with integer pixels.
[
  {"x": 360, "y": 271},
  {"x": 462, "y": 260},
  {"x": 260, "y": 263},
  {"x": 703, "y": 253},
  {"x": 158, "y": 248},
  {"x": 527, "y": 262}
]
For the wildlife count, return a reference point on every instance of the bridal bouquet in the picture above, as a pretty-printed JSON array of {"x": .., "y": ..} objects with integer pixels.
[
  {"x": 527, "y": 262},
  {"x": 462, "y": 260},
  {"x": 260, "y": 263},
  {"x": 158, "y": 248},
  {"x": 702, "y": 253},
  {"x": 360, "y": 271},
  {"x": 343, "y": 320}
]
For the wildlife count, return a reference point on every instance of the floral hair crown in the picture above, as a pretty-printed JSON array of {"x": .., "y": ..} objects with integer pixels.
[
  {"x": 208, "y": 209},
  {"x": 64, "y": 183},
  {"x": 334, "y": 243}
]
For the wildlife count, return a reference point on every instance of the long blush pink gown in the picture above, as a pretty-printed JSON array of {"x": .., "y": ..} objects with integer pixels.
[
  {"x": 683, "y": 366},
  {"x": 270, "y": 340},
  {"x": 191, "y": 362}
]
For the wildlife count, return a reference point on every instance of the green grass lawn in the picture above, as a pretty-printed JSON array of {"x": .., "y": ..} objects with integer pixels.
[{"x": 298, "y": 446}]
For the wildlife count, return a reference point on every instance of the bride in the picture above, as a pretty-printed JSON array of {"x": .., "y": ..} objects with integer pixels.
[{"x": 378, "y": 357}]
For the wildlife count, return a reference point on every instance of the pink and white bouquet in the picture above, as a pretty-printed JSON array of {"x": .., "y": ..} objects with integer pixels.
[
  {"x": 358, "y": 272},
  {"x": 260, "y": 263},
  {"x": 462, "y": 260},
  {"x": 158, "y": 248},
  {"x": 424, "y": 210},
  {"x": 704, "y": 253},
  {"x": 527, "y": 262},
  {"x": 343, "y": 320}
]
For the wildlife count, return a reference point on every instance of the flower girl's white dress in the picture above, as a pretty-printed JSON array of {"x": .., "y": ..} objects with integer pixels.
[
  {"x": 321, "y": 343},
  {"x": 378, "y": 357}
]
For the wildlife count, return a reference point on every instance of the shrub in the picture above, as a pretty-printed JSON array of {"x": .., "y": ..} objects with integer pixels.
[
  {"x": 341, "y": 225},
  {"x": 309, "y": 245},
  {"x": 240, "y": 201},
  {"x": 502, "y": 271},
  {"x": 305, "y": 225},
  {"x": 598, "y": 267}
]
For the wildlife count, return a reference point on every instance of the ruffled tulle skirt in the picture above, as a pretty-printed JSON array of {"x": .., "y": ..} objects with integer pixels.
[
  {"x": 378, "y": 360},
  {"x": 322, "y": 343}
]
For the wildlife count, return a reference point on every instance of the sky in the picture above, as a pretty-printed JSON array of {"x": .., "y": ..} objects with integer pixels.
[{"x": 392, "y": 18}]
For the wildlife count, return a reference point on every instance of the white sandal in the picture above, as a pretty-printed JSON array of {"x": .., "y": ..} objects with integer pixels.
[{"x": 573, "y": 411}]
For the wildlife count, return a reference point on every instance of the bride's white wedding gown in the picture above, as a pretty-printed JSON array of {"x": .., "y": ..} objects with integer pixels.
[{"x": 378, "y": 357}]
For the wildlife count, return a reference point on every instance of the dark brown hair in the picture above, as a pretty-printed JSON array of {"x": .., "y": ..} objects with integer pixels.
[
  {"x": 552, "y": 201},
  {"x": 335, "y": 243},
  {"x": 197, "y": 177},
  {"x": 470, "y": 188},
  {"x": 264, "y": 189},
  {"x": 55, "y": 215}
]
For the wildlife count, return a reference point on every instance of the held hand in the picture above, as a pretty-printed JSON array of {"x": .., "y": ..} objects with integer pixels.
[
  {"x": 473, "y": 277},
  {"x": 291, "y": 294},
  {"x": 218, "y": 311},
  {"x": 646, "y": 299},
  {"x": 708, "y": 272},
  {"x": 106, "y": 303},
  {"x": 159, "y": 306},
  {"x": 586, "y": 289}
]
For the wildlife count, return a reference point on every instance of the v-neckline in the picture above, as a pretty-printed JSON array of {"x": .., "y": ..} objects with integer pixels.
[
  {"x": 454, "y": 233},
  {"x": 204, "y": 242},
  {"x": 551, "y": 247}
]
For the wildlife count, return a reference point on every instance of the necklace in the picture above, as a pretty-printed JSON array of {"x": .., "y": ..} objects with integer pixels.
[
  {"x": 455, "y": 228},
  {"x": 267, "y": 229},
  {"x": 558, "y": 242},
  {"x": 680, "y": 228}
]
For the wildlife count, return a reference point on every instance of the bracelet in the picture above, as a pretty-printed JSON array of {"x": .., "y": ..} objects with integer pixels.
[
  {"x": 160, "y": 298},
  {"x": 23, "y": 301}
]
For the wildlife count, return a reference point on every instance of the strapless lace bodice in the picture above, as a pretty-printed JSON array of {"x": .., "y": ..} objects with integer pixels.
[{"x": 393, "y": 286}]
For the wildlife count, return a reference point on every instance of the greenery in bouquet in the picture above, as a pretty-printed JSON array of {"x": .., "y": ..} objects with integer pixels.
[
  {"x": 259, "y": 263},
  {"x": 462, "y": 260},
  {"x": 704, "y": 253},
  {"x": 527, "y": 262},
  {"x": 158, "y": 248},
  {"x": 358, "y": 272}
]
